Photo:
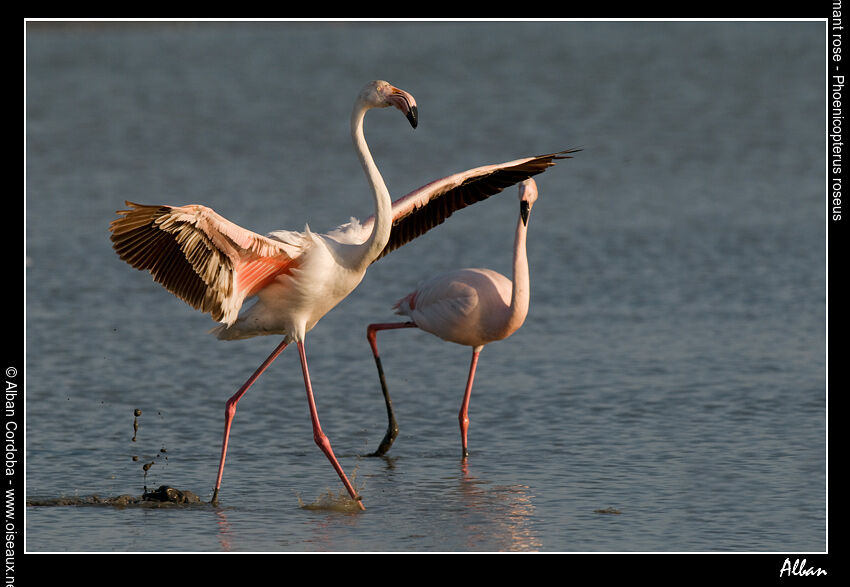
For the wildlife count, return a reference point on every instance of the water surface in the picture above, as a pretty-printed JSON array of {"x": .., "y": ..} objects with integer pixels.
[{"x": 667, "y": 392}]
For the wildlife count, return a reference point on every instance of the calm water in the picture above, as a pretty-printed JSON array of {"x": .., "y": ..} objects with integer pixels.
[{"x": 672, "y": 367}]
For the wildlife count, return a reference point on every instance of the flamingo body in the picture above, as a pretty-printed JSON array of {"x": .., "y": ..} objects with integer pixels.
[
  {"x": 471, "y": 307},
  {"x": 465, "y": 306},
  {"x": 296, "y": 297},
  {"x": 293, "y": 277}
]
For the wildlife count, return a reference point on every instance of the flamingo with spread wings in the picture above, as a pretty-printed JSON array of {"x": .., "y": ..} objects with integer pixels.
[{"x": 296, "y": 277}]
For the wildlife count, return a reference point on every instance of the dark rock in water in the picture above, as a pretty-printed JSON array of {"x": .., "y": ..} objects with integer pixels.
[
  {"x": 120, "y": 501},
  {"x": 164, "y": 496},
  {"x": 166, "y": 493}
]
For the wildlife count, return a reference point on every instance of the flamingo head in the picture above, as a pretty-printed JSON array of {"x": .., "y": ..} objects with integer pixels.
[
  {"x": 380, "y": 94},
  {"x": 527, "y": 197}
]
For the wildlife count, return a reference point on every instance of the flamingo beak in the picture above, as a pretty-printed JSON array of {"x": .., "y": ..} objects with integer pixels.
[
  {"x": 413, "y": 116},
  {"x": 524, "y": 211},
  {"x": 407, "y": 104}
]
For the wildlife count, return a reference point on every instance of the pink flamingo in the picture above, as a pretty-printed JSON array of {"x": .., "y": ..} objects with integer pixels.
[
  {"x": 472, "y": 307},
  {"x": 296, "y": 277}
]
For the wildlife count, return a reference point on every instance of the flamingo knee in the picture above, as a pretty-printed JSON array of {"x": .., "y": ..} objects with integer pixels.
[
  {"x": 322, "y": 441},
  {"x": 371, "y": 335},
  {"x": 229, "y": 409}
]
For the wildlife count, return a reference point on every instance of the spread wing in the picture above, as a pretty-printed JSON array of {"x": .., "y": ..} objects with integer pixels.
[
  {"x": 423, "y": 209},
  {"x": 201, "y": 257}
]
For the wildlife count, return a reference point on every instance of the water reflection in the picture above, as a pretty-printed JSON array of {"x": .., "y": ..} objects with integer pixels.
[
  {"x": 502, "y": 514},
  {"x": 224, "y": 530}
]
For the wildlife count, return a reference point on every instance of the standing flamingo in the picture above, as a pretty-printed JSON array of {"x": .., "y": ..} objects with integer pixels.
[
  {"x": 472, "y": 307},
  {"x": 297, "y": 277}
]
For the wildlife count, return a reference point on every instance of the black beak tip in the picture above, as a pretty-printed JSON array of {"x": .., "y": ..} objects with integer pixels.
[
  {"x": 413, "y": 116},
  {"x": 524, "y": 211}
]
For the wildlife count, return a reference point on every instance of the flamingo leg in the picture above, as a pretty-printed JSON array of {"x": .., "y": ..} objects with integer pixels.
[
  {"x": 319, "y": 436},
  {"x": 392, "y": 425},
  {"x": 463, "y": 415},
  {"x": 230, "y": 411}
]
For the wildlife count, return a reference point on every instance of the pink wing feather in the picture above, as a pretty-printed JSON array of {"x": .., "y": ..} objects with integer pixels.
[{"x": 201, "y": 257}]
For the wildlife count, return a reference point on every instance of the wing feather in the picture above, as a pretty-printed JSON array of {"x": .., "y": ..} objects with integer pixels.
[
  {"x": 429, "y": 206},
  {"x": 201, "y": 257}
]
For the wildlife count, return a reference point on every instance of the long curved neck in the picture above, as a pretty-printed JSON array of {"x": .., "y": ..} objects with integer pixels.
[
  {"x": 521, "y": 290},
  {"x": 383, "y": 204}
]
